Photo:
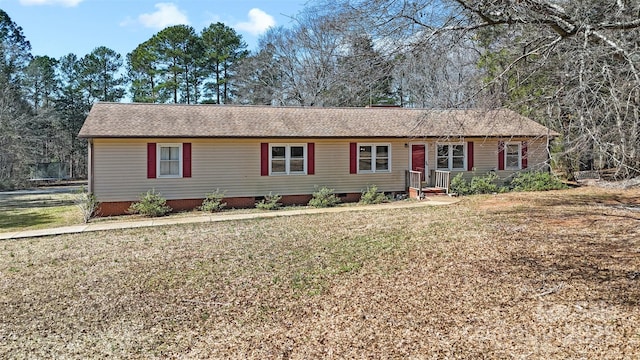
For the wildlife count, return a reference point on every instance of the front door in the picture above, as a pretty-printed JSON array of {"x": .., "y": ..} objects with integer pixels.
[{"x": 418, "y": 159}]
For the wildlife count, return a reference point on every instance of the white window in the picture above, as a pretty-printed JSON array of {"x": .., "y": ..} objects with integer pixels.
[
  {"x": 451, "y": 156},
  {"x": 512, "y": 156},
  {"x": 169, "y": 160},
  {"x": 373, "y": 158},
  {"x": 287, "y": 159}
]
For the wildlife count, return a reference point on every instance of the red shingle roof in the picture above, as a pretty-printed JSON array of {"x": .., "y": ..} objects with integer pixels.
[{"x": 135, "y": 120}]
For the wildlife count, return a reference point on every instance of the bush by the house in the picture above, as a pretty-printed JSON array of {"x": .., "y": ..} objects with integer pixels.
[
  {"x": 371, "y": 196},
  {"x": 523, "y": 181},
  {"x": 486, "y": 184},
  {"x": 324, "y": 197},
  {"x": 459, "y": 185},
  {"x": 478, "y": 185},
  {"x": 87, "y": 203},
  {"x": 151, "y": 204},
  {"x": 536, "y": 181},
  {"x": 270, "y": 202},
  {"x": 213, "y": 202}
]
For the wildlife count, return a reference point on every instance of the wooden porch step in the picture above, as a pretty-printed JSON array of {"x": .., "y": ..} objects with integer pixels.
[{"x": 433, "y": 191}]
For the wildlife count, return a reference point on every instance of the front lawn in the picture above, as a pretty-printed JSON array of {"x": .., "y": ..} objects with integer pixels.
[
  {"x": 525, "y": 275},
  {"x": 37, "y": 210}
]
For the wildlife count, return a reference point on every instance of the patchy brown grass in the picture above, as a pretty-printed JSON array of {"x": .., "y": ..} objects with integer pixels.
[{"x": 523, "y": 275}]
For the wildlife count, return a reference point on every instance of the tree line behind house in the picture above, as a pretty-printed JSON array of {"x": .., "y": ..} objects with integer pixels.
[{"x": 571, "y": 66}]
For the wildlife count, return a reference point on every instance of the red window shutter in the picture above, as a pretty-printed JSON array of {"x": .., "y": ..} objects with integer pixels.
[
  {"x": 151, "y": 160},
  {"x": 264, "y": 159},
  {"x": 186, "y": 160},
  {"x": 311, "y": 158},
  {"x": 353, "y": 158},
  {"x": 501, "y": 155},
  {"x": 470, "y": 156},
  {"x": 524, "y": 155}
]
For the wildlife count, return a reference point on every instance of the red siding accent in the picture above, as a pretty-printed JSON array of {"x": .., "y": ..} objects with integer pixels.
[
  {"x": 311, "y": 158},
  {"x": 470, "y": 156},
  {"x": 151, "y": 160},
  {"x": 186, "y": 160},
  {"x": 524, "y": 155},
  {"x": 501, "y": 155},
  {"x": 353, "y": 158},
  {"x": 264, "y": 159},
  {"x": 295, "y": 199},
  {"x": 240, "y": 202},
  {"x": 113, "y": 208},
  {"x": 121, "y": 207},
  {"x": 350, "y": 197},
  {"x": 184, "y": 204}
]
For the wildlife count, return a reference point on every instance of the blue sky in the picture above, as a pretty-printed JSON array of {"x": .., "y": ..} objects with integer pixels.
[{"x": 58, "y": 27}]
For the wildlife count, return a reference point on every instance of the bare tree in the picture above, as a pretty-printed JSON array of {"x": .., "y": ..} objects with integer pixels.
[
  {"x": 259, "y": 78},
  {"x": 441, "y": 73},
  {"x": 587, "y": 54},
  {"x": 317, "y": 62},
  {"x": 364, "y": 74},
  {"x": 15, "y": 112},
  {"x": 571, "y": 65},
  {"x": 302, "y": 59}
]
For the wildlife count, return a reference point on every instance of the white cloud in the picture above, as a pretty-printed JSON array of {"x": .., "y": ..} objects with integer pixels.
[
  {"x": 167, "y": 14},
  {"x": 259, "y": 22},
  {"x": 67, "y": 3}
]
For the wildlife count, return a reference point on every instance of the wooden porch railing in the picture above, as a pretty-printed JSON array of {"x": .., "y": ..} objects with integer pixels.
[
  {"x": 414, "y": 180},
  {"x": 443, "y": 179}
]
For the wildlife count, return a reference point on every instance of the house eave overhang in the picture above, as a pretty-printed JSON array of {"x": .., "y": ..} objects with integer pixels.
[
  {"x": 279, "y": 136},
  {"x": 136, "y": 120}
]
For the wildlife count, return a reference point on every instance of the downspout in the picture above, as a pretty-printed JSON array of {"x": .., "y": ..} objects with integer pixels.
[{"x": 90, "y": 167}]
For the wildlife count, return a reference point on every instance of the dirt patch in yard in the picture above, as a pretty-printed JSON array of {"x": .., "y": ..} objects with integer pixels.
[{"x": 523, "y": 275}]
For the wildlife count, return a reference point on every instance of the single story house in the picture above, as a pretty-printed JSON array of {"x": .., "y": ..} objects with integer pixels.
[{"x": 247, "y": 152}]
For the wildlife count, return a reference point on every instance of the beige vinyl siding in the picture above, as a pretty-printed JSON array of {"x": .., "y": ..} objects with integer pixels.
[
  {"x": 233, "y": 166},
  {"x": 119, "y": 169},
  {"x": 333, "y": 164},
  {"x": 486, "y": 156}
]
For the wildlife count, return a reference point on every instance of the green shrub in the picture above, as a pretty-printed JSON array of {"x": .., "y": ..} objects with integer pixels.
[
  {"x": 485, "y": 184},
  {"x": 270, "y": 202},
  {"x": 213, "y": 202},
  {"x": 536, "y": 181},
  {"x": 324, "y": 197},
  {"x": 151, "y": 204},
  {"x": 479, "y": 185},
  {"x": 459, "y": 185},
  {"x": 371, "y": 196}
]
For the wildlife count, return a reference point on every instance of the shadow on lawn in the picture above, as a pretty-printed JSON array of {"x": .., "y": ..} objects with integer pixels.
[
  {"x": 596, "y": 198},
  {"x": 21, "y": 210},
  {"x": 613, "y": 284},
  {"x": 20, "y": 202},
  {"x": 574, "y": 245},
  {"x": 629, "y": 202},
  {"x": 24, "y": 220},
  {"x": 590, "y": 243}
]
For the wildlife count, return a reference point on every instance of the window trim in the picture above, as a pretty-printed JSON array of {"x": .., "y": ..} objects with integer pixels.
[
  {"x": 450, "y": 156},
  {"x": 287, "y": 159},
  {"x": 373, "y": 170},
  {"x": 158, "y": 160},
  {"x": 506, "y": 155}
]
